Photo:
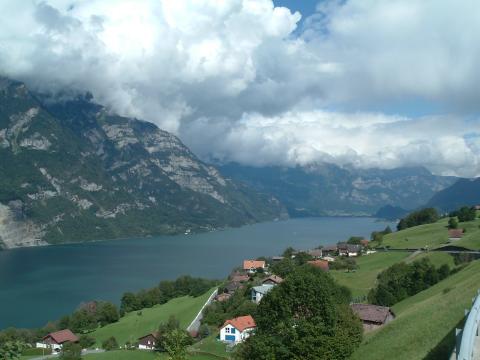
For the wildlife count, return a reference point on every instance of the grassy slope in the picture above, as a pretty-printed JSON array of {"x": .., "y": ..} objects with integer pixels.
[
  {"x": 139, "y": 355},
  {"x": 363, "y": 279},
  {"x": 132, "y": 325},
  {"x": 434, "y": 235},
  {"x": 424, "y": 321},
  {"x": 211, "y": 345}
]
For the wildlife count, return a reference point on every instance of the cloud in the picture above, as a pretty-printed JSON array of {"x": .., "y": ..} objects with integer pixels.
[{"x": 237, "y": 80}]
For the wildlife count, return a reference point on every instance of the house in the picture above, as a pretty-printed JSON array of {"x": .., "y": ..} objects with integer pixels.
[
  {"x": 239, "y": 278},
  {"x": 315, "y": 253},
  {"x": 272, "y": 280},
  {"x": 251, "y": 266},
  {"x": 258, "y": 292},
  {"x": 330, "y": 250},
  {"x": 345, "y": 249},
  {"x": 238, "y": 329},
  {"x": 364, "y": 243},
  {"x": 455, "y": 234},
  {"x": 223, "y": 297},
  {"x": 56, "y": 340},
  {"x": 321, "y": 264},
  {"x": 328, "y": 258},
  {"x": 373, "y": 316},
  {"x": 277, "y": 258},
  {"x": 148, "y": 342},
  {"x": 477, "y": 207}
]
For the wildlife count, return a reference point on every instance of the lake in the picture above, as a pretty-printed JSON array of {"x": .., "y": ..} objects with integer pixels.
[{"x": 44, "y": 283}]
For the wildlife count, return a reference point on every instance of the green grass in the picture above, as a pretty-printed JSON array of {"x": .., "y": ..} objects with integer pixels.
[
  {"x": 139, "y": 355},
  {"x": 210, "y": 345},
  {"x": 132, "y": 326},
  {"x": 434, "y": 235},
  {"x": 369, "y": 266},
  {"x": 425, "y": 323}
]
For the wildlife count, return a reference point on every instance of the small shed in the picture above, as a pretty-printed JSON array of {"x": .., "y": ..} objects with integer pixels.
[{"x": 373, "y": 316}]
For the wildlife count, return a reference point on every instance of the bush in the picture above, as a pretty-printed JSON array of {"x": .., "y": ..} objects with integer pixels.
[
  {"x": 71, "y": 351},
  {"x": 110, "y": 344},
  {"x": 86, "y": 341}
]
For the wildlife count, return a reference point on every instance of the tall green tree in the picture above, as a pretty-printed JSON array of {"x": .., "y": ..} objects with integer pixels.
[
  {"x": 175, "y": 343},
  {"x": 71, "y": 351},
  {"x": 11, "y": 350}
]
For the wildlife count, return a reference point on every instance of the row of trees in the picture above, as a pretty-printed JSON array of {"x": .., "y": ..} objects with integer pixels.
[
  {"x": 420, "y": 217},
  {"x": 89, "y": 316},
  {"x": 165, "y": 291},
  {"x": 402, "y": 280},
  {"x": 377, "y": 236}
]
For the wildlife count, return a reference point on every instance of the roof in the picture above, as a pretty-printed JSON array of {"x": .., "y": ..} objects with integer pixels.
[
  {"x": 263, "y": 289},
  {"x": 372, "y": 313},
  {"x": 241, "y": 323},
  {"x": 342, "y": 245},
  {"x": 253, "y": 264},
  {"x": 277, "y": 258},
  {"x": 240, "y": 277},
  {"x": 353, "y": 248},
  {"x": 154, "y": 334},
  {"x": 273, "y": 278},
  {"x": 62, "y": 336},
  {"x": 315, "y": 252},
  {"x": 455, "y": 233},
  {"x": 232, "y": 286},
  {"x": 321, "y": 264},
  {"x": 364, "y": 242},
  {"x": 330, "y": 248}
]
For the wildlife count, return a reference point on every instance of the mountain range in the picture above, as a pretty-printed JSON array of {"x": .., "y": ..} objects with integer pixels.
[
  {"x": 72, "y": 171},
  {"x": 464, "y": 192}
]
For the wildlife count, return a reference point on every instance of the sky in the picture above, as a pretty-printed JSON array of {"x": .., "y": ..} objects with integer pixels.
[{"x": 367, "y": 83}]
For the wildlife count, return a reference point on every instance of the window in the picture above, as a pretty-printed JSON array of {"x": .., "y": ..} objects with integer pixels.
[
  {"x": 227, "y": 330},
  {"x": 233, "y": 331}
]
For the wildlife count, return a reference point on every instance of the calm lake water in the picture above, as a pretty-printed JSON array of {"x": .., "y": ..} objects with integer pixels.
[{"x": 41, "y": 284}]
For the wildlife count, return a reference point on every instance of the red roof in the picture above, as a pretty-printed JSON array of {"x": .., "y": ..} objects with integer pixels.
[
  {"x": 273, "y": 278},
  {"x": 62, "y": 336},
  {"x": 364, "y": 242},
  {"x": 241, "y": 323},
  {"x": 455, "y": 233},
  {"x": 321, "y": 264},
  {"x": 253, "y": 264}
]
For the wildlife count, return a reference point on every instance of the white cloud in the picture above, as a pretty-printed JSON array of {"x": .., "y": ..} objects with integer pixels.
[{"x": 233, "y": 81}]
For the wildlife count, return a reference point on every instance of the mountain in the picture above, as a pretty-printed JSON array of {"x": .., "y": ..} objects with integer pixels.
[
  {"x": 464, "y": 192},
  {"x": 329, "y": 190},
  {"x": 71, "y": 171}
]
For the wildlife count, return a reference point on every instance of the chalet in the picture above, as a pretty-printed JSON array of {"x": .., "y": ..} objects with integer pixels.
[
  {"x": 251, "y": 266},
  {"x": 455, "y": 234},
  {"x": 258, "y": 292},
  {"x": 239, "y": 278},
  {"x": 148, "y": 342},
  {"x": 223, "y": 297},
  {"x": 56, "y": 340},
  {"x": 272, "y": 280},
  {"x": 373, "y": 316},
  {"x": 321, "y": 264},
  {"x": 349, "y": 250},
  {"x": 364, "y": 243},
  {"x": 315, "y": 253},
  {"x": 330, "y": 250},
  {"x": 238, "y": 329}
]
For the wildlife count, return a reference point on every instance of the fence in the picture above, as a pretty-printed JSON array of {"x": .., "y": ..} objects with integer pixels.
[{"x": 466, "y": 338}]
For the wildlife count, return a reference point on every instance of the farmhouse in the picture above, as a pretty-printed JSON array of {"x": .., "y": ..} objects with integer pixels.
[
  {"x": 238, "y": 329},
  {"x": 321, "y": 264},
  {"x": 56, "y": 340},
  {"x": 251, "y": 266},
  {"x": 315, "y": 253},
  {"x": 330, "y": 250},
  {"x": 349, "y": 250},
  {"x": 373, "y": 316},
  {"x": 272, "y": 280},
  {"x": 258, "y": 292},
  {"x": 148, "y": 342},
  {"x": 455, "y": 234}
]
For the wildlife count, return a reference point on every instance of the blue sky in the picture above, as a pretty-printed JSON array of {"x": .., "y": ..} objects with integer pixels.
[{"x": 305, "y": 7}]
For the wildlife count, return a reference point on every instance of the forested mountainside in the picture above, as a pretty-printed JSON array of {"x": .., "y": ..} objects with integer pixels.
[
  {"x": 464, "y": 192},
  {"x": 328, "y": 189},
  {"x": 71, "y": 171}
]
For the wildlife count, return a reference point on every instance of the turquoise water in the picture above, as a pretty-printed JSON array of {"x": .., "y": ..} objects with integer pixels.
[{"x": 42, "y": 284}]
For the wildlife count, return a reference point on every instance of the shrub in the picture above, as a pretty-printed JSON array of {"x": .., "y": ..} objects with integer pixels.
[{"x": 110, "y": 344}]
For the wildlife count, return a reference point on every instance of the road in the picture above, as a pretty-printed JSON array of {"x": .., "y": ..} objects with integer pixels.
[
  {"x": 54, "y": 356},
  {"x": 195, "y": 324}
]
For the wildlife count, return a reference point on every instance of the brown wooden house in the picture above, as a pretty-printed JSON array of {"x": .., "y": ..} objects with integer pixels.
[{"x": 373, "y": 316}]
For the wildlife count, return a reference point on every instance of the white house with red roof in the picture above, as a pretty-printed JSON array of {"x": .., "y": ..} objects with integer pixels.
[
  {"x": 251, "y": 266},
  {"x": 56, "y": 339},
  {"x": 238, "y": 329}
]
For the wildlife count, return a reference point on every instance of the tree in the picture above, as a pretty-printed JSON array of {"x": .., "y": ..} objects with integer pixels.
[
  {"x": 71, "y": 351},
  {"x": 175, "y": 343},
  {"x": 107, "y": 313},
  {"x": 82, "y": 320},
  {"x": 355, "y": 240},
  {"x": 128, "y": 303},
  {"x": 11, "y": 350},
  {"x": 86, "y": 341},
  {"x": 466, "y": 214},
  {"x": 420, "y": 217},
  {"x": 452, "y": 223},
  {"x": 110, "y": 344},
  {"x": 288, "y": 252},
  {"x": 203, "y": 331},
  {"x": 302, "y": 318}
]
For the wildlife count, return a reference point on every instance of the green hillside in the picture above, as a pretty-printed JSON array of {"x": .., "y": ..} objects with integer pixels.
[
  {"x": 139, "y": 355},
  {"x": 434, "y": 235},
  {"x": 425, "y": 323},
  {"x": 136, "y": 324}
]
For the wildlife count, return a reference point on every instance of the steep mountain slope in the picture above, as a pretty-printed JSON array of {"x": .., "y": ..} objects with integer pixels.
[
  {"x": 465, "y": 192},
  {"x": 327, "y": 189},
  {"x": 71, "y": 171}
]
